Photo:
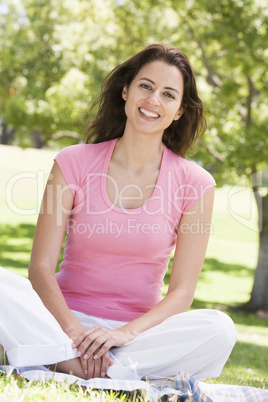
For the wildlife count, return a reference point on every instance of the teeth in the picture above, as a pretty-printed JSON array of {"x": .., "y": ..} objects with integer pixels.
[{"x": 148, "y": 114}]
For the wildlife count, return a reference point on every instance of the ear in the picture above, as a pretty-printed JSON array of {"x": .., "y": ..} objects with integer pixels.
[
  {"x": 124, "y": 93},
  {"x": 178, "y": 114}
]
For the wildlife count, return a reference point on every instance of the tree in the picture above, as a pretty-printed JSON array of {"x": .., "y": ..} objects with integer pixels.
[
  {"x": 29, "y": 66},
  {"x": 33, "y": 63},
  {"x": 230, "y": 39}
]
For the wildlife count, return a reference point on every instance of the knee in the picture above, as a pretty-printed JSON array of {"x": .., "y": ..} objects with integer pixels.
[{"x": 223, "y": 330}]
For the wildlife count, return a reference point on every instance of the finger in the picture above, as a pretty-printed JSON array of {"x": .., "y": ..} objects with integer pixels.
[
  {"x": 88, "y": 341},
  {"x": 97, "y": 368},
  {"x": 90, "y": 368},
  {"x": 84, "y": 365},
  {"x": 83, "y": 336},
  {"x": 105, "y": 360},
  {"x": 100, "y": 346},
  {"x": 95, "y": 346},
  {"x": 103, "y": 348}
]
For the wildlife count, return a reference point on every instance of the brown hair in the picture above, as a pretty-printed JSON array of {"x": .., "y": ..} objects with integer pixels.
[{"x": 110, "y": 120}]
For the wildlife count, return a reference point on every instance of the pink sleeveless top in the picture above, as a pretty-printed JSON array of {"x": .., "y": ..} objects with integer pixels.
[{"x": 115, "y": 259}]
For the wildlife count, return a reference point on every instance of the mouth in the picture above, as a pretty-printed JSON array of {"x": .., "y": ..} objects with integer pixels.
[{"x": 146, "y": 113}]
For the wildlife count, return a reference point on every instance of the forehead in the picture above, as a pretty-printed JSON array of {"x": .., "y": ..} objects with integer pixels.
[{"x": 161, "y": 73}]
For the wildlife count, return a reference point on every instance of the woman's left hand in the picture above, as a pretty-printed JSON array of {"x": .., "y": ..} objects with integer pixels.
[{"x": 96, "y": 341}]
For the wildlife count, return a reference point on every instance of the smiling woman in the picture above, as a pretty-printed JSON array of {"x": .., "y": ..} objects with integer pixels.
[
  {"x": 153, "y": 99},
  {"x": 125, "y": 200},
  {"x": 111, "y": 119}
]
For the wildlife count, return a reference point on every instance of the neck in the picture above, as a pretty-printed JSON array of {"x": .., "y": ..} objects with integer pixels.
[{"x": 139, "y": 152}]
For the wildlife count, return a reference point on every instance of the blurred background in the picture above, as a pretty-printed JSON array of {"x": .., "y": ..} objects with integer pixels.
[{"x": 54, "y": 56}]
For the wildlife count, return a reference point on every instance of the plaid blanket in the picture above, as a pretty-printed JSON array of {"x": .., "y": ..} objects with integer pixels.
[{"x": 186, "y": 387}]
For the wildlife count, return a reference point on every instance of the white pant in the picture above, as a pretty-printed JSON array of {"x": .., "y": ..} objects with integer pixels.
[{"x": 198, "y": 342}]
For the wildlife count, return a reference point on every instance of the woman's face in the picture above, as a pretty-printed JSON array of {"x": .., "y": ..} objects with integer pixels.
[{"x": 153, "y": 99}]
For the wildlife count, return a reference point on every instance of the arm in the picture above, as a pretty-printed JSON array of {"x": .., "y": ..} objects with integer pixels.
[
  {"x": 50, "y": 230},
  {"x": 188, "y": 260},
  {"x": 49, "y": 235}
]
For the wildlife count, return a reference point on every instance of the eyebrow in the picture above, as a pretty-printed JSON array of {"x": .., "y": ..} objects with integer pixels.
[{"x": 152, "y": 82}]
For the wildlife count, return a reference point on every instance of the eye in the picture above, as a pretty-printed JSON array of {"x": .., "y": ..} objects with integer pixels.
[
  {"x": 169, "y": 95},
  {"x": 145, "y": 86}
]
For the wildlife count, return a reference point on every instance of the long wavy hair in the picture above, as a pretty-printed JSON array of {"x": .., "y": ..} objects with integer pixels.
[{"x": 110, "y": 120}]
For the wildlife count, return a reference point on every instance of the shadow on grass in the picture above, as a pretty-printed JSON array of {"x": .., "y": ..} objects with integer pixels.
[
  {"x": 238, "y": 316},
  {"x": 212, "y": 264},
  {"x": 16, "y": 245}
]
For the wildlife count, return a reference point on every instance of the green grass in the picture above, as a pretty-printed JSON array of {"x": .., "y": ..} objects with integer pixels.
[
  {"x": 225, "y": 282},
  {"x": 14, "y": 388}
]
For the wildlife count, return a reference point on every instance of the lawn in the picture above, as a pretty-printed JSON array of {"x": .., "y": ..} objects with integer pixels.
[{"x": 225, "y": 282}]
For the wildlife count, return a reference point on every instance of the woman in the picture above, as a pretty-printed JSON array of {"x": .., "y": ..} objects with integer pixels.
[{"x": 125, "y": 201}]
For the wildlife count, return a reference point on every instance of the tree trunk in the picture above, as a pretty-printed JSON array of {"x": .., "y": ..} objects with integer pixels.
[
  {"x": 37, "y": 139},
  {"x": 259, "y": 294},
  {"x": 7, "y": 134}
]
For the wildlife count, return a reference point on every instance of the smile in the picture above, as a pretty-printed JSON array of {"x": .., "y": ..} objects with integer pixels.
[{"x": 148, "y": 114}]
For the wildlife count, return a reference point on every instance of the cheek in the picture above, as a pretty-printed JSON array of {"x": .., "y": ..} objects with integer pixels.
[{"x": 173, "y": 112}]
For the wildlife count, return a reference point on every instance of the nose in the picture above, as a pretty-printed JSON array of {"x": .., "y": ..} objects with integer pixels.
[{"x": 153, "y": 99}]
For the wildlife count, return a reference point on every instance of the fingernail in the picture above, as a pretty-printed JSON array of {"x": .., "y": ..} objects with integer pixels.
[
  {"x": 95, "y": 357},
  {"x": 73, "y": 345},
  {"x": 85, "y": 357},
  {"x": 78, "y": 354},
  {"x": 85, "y": 371},
  {"x": 103, "y": 374}
]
